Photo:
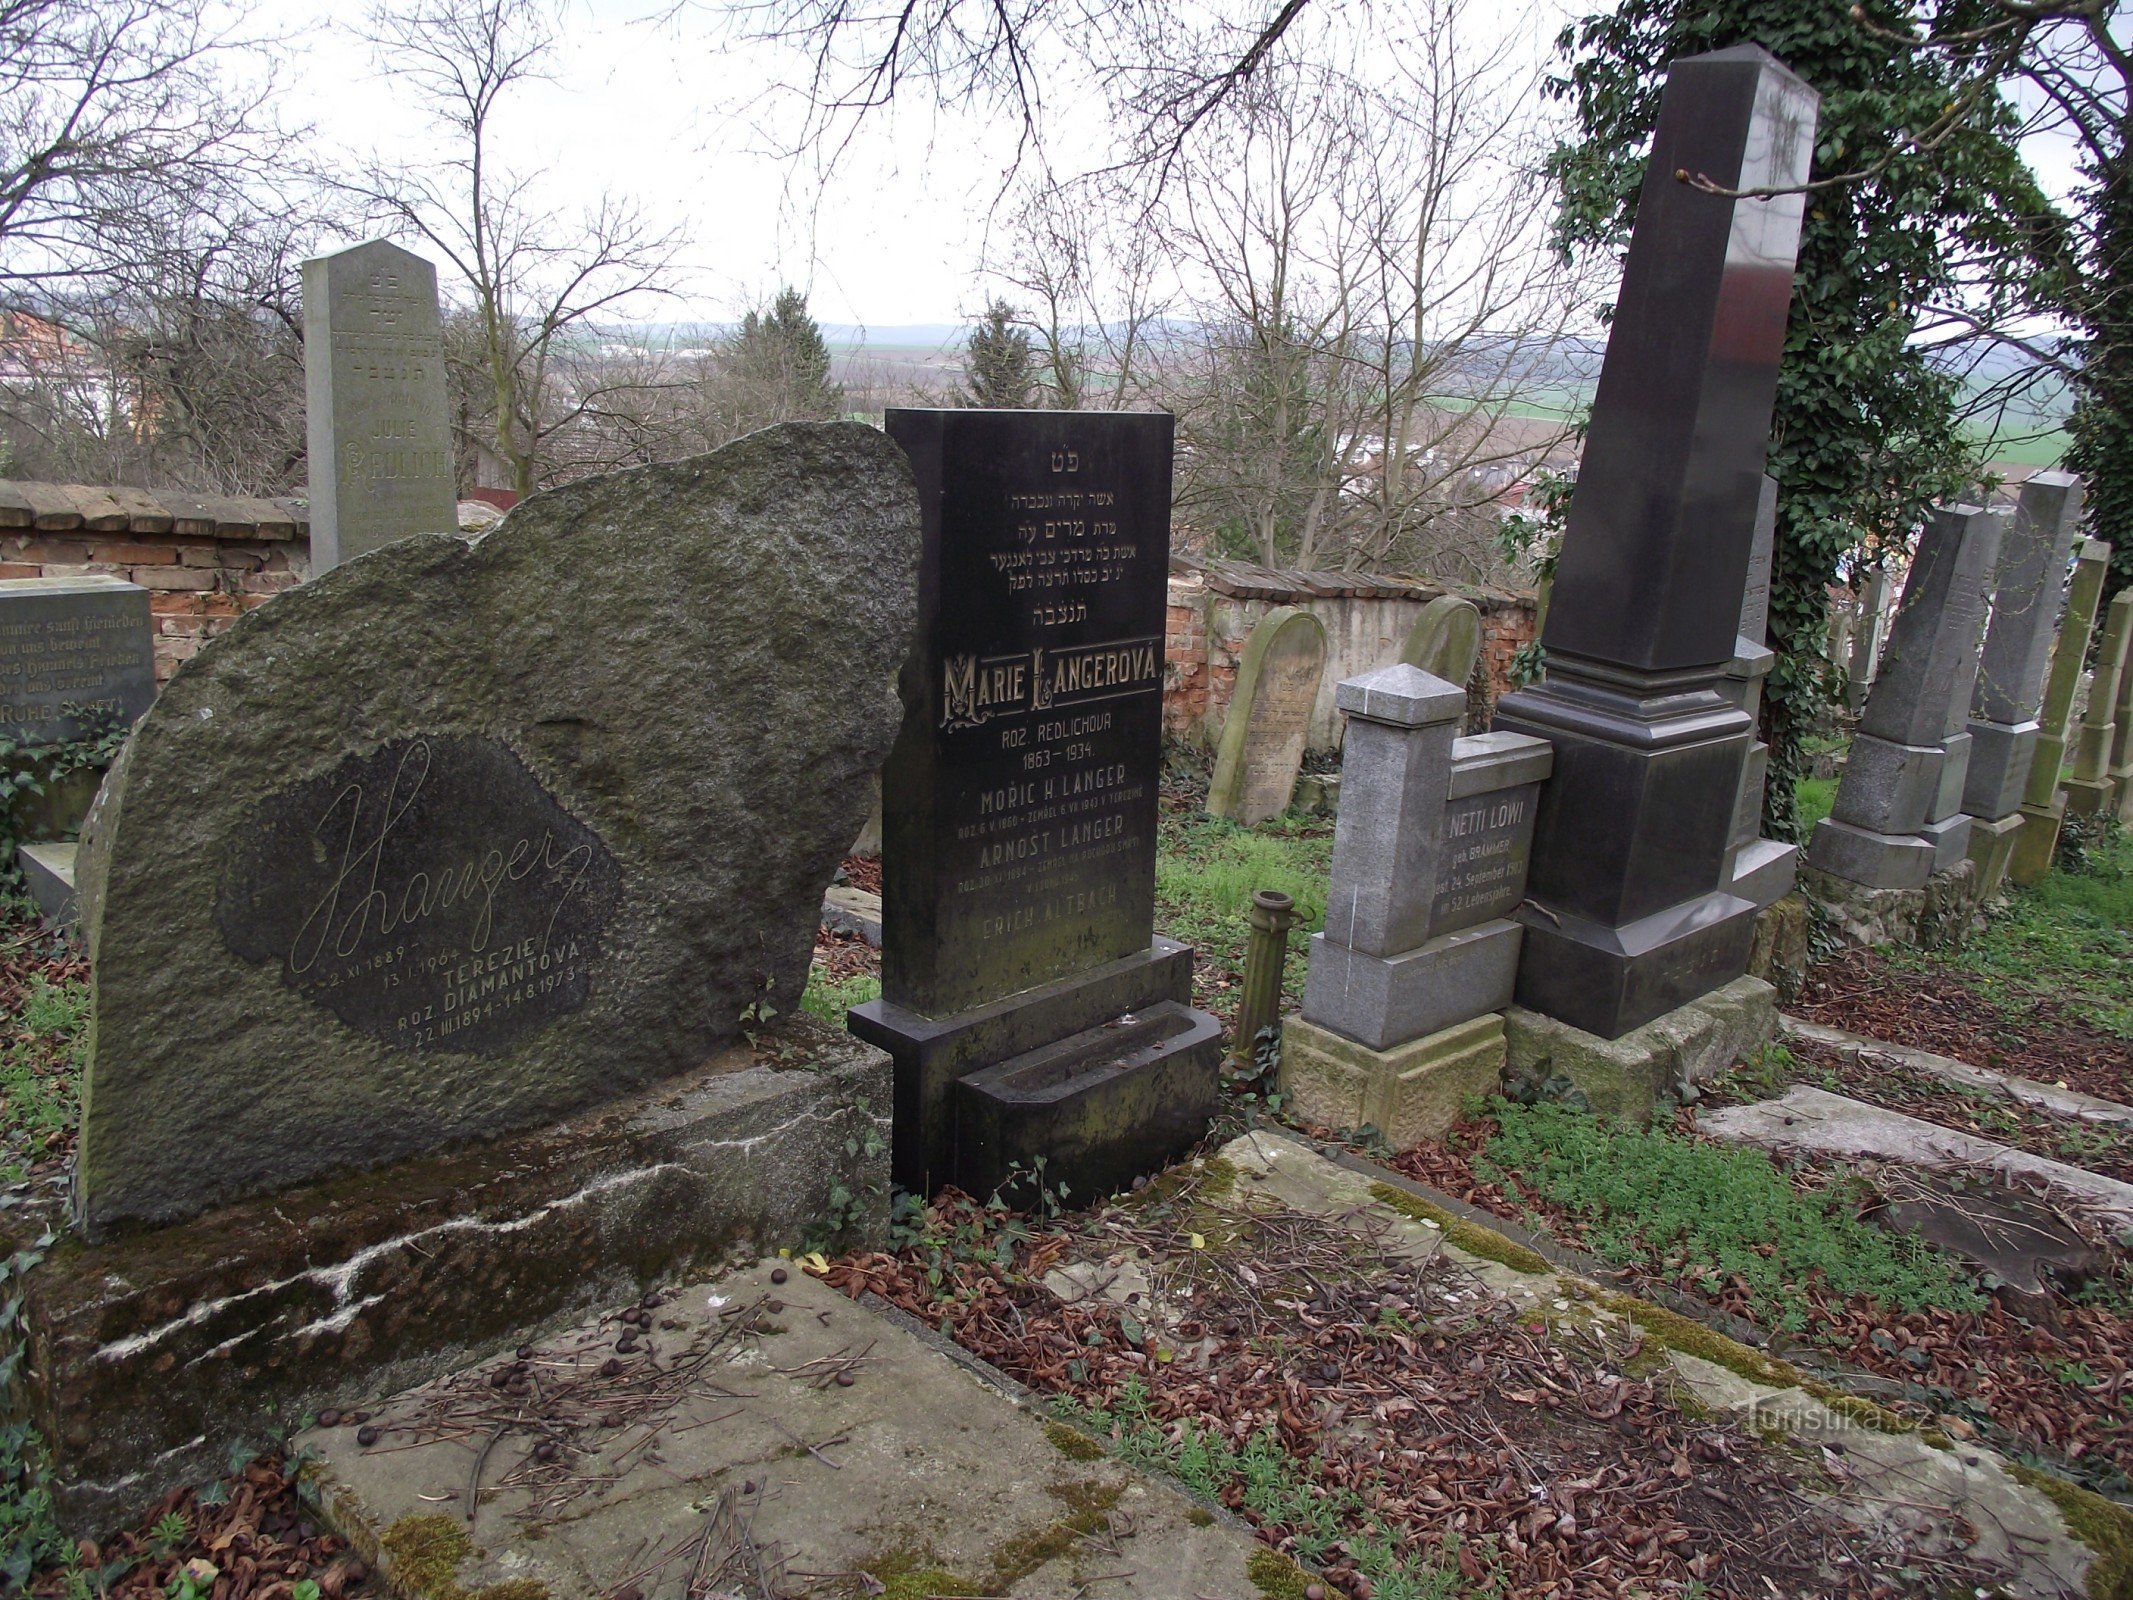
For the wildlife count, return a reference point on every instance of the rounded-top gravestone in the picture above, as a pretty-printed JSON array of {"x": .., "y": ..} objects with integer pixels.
[
  {"x": 1269, "y": 717},
  {"x": 1445, "y": 641},
  {"x": 459, "y": 837}
]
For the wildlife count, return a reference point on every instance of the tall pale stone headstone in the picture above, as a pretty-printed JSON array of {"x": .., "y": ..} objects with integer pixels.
[
  {"x": 2122, "y": 746},
  {"x": 1890, "y": 827},
  {"x": 1269, "y": 717},
  {"x": 2027, "y": 591},
  {"x": 2088, "y": 789},
  {"x": 2043, "y": 802},
  {"x": 376, "y": 430},
  {"x": 436, "y": 846},
  {"x": 1631, "y": 914},
  {"x": 1866, "y": 639}
]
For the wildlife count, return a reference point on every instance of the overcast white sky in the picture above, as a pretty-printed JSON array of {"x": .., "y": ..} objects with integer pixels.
[{"x": 666, "y": 112}]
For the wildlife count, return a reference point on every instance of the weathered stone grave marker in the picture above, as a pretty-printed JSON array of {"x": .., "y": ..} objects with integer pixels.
[
  {"x": 1757, "y": 869},
  {"x": 1632, "y": 914},
  {"x": 1864, "y": 663},
  {"x": 475, "y": 848},
  {"x": 2043, "y": 802},
  {"x": 502, "y": 889},
  {"x": 1401, "y": 1015},
  {"x": 2122, "y": 745},
  {"x": 1028, "y": 1007},
  {"x": 75, "y": 653},
  {"x": 2088, "y": 788},
  {"x": 2027, "y": 589},
  {"x": 376, "y": 430},
  {"x": 1445, "y": 641},
  {"x": 1895, "y": 821},
  {"x": 1269, "y": 719}
]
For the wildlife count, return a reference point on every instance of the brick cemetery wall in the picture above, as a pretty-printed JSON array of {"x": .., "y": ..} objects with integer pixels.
[
  {"x": 204, "y": 560},
  {"x": 1214, "y": 606}
]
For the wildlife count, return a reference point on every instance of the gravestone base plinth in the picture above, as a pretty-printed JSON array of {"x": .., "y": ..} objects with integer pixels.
[
  {"x": 932, "y": 1056},
  {"x": 1764, "y": 872},
  {"x": 2122, "y": 791},
  {"x": 1892, "y": 861},
  {"x": 1384, "y": 1001},
  {"x": 149, "y": 1357},
  {"x": 1409, "y": 1093},
  {"x": 2088, "y": 797},
  {"x": 1783, "y": 946},
  {"x": 48, "y": 868},
  {"x": 1937, "y": 913},
  {"x": 1992, "y": 842},
  {"x": 2000, "y": 754},
  {"x": 2037, "y": 841},
  {"x": 1089, "y": 1114},
  {"x": 1950, "y": 838},
  {"x": 1626, "y": 1077}
]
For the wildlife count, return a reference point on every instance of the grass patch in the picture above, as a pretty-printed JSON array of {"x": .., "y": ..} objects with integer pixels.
[
  {"x": 830, "y": 1001},
  {"x": 2068, "y": 937},
  {"x": 1656, "y": 1200},
  {"x": 1812, "y": 799},
  {"x": 1278, "y": 1492},
  {"x": 1207, "y": 869},
  {"x": 40, "y": 1074}
]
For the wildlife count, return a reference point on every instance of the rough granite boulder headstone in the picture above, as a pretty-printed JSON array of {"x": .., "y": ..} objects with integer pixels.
[
  {"x": 377, "y": 431},
  {"x": 1269, "y": 717},
  {"x": 457, "y": 838}
]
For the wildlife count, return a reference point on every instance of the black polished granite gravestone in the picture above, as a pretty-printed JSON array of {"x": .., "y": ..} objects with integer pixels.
[
  {"x": 1627, "y": 915},
  {"x": 1028, "y": 1007}
]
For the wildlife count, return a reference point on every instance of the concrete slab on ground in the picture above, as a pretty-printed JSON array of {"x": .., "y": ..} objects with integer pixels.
[
  {"x": 852, "y": 911},
  {"x": 1820, "y": 1123},
  {"x": 2052, "y": 1097},
  {"x": 1961, "y": 1500},
  {"x": 756, "y": 1433}
]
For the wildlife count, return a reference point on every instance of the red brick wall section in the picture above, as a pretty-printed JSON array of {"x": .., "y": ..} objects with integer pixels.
[
  {"x": 198, "y": 584},
  {"x": 205, "y": 560},
  {"x": 1210, "y": 623}
]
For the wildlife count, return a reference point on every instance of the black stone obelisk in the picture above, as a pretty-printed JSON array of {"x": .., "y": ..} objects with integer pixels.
[{"x": 1627, "y": 915}]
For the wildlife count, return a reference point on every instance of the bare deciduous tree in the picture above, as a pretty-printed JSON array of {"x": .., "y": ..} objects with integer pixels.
[{"x": 539, "y": 279}]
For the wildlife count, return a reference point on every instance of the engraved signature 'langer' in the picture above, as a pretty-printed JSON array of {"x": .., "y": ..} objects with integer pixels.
[{"x": 356, "y": 903}]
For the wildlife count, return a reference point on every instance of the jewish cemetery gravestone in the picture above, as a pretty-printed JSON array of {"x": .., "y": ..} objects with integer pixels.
[
  {"x": 2122, "y": 745},
  {"x": 2043, "y": 805},
  {"x": 2027, "y": 590},
  {"x": 376, "y": 429},
  {"x": 1866, "y": 638},
  {"x": 1895, "y": 822},
  {"x": 2009, "y": 688},
  {"x": 1262, "y": 746},
  {"x": 2088, "y": 788},
  {"x": 1632, "y": 914},
  {"x": 1757, "y": 869},
  {"x": 1029, "y": 1009},
  {"x": 77, "y": 658},
  {"x": 448, "y": 848},
  {"x": 1401, "y": 1015},
  {"x": 1445, "y": 641}
]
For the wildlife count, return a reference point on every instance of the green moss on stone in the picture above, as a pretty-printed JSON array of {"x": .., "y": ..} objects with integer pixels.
[
  {"x": 1471, "y": 1237},
  {"x": 1088, "y": 1506},
  {"x": 1200, "y": 1517},
  {"x": 1275, "y": 1575},
  {"x": 1690, "y": 1337},
  {"x": 2105, "y": 1526},
  {"x": 423, "y": 1558},
  {"x": 1072, "y": 1442},
  {"x": 908, "y": 1575}
]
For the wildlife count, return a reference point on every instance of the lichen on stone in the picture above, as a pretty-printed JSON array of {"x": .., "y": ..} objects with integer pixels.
[
  {"x": 1276, "y": 1576},
  {"x": 1471, "y": 1237},
  {"x": 423, "y": 1557},
  {"x": 1072, "y": 1442},
  {"x": 2105, "y": 1526}
]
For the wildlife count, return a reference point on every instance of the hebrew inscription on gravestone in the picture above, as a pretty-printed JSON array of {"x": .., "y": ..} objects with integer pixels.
[{"x": 430, "y": 894}]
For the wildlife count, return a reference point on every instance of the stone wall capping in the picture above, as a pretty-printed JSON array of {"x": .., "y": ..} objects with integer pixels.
[
  {"x": 1242, "y": 580},
  {"x": 71, "y": 507}
]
